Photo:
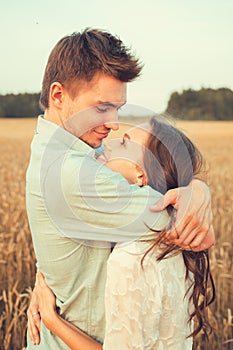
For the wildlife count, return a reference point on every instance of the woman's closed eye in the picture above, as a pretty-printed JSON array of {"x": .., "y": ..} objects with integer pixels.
[{"x": 125, "y": 138}]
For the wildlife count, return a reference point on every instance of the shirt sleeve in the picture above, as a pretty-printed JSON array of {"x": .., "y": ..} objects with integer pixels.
[{"x": 92, "y": 203}]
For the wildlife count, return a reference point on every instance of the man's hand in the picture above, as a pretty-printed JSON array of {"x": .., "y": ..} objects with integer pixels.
[
  {"x": 34, "y": 319},
  {"x": 193, "y": 228}
]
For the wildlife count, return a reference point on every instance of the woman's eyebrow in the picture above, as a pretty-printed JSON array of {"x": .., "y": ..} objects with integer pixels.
[{"x": 125, "y": 137}]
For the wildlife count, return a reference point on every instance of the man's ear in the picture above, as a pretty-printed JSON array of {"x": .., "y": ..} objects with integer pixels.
[
  {"x": 56, "y": 94},
  {"x": 141, "y": 178}
]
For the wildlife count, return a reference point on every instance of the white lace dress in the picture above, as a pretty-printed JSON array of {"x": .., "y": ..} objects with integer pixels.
[{"x": 146, "y": 309}]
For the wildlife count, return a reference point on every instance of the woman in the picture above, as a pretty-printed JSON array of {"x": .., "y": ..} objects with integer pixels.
[{"x": 150, "y": 301}]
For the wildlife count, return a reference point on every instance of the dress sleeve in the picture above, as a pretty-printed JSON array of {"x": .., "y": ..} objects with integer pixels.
[{"x": 129, "y": 304}]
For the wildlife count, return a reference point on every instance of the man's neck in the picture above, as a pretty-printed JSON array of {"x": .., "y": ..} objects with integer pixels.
[{"x": 53, "y": 117}]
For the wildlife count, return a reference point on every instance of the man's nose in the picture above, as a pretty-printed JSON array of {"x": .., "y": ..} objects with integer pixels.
[
  {"x": 113, "y": 126},
  {"x": 112, "y": 122}
]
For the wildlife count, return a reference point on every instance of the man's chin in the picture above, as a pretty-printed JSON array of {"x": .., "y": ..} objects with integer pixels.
[{"x": 97, "y": 144}]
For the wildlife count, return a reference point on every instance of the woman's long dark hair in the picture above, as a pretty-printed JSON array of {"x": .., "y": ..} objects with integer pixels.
[{"x": 171, "y": 160}]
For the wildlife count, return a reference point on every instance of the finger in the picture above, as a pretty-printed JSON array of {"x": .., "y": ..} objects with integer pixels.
[
  {"x": 40, "y": 283},
  {"x": 181, "y": 228},
  {"x": 199, "y": 242},
  {"x": 37, "y": 321},
  {"x": 34, "y": 318},
  {"x": 33, "y": 334},
  {"x": 187, "y": 226},
  {"x": 170, "y": 198},
  {"x": 33, "y": 311},
  {"x": 184, "y": 229},
  {"x": 189, "y": 230},
  {"x": 40, "y": 279},
  {"x": 34, "y": 328},
  {"x": 196, "y": 243},
  {"x": 196, "y": 230},
  {"x": 30, "y": 332},
  {"x": 209, "y": 240}
]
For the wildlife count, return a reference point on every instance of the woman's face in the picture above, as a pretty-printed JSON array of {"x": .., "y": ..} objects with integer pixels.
[{"x": 125, "y": 155}]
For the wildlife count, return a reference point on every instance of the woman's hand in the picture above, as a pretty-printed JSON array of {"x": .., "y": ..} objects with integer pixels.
[
  {"x": 34, "y": 319},
  {"x": 71, "y": 335},
  {"x": 193, "y": 225},
  {"x": 46, "y": 301}
]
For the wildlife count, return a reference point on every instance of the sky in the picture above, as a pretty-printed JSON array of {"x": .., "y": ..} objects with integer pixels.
[{"x": 182, "y": 44}]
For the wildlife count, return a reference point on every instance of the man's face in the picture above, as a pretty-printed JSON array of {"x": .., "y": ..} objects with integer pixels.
[{"x": 92, "y": 114}]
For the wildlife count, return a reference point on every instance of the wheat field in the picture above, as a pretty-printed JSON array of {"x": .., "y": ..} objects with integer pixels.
[{"x": 17, "y": 260}]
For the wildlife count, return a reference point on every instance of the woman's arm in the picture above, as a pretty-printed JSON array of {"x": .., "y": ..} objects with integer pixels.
[{"x": 71, "y": 335}]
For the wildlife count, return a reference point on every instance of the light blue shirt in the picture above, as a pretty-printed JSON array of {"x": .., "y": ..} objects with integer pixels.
[{"x": 76, "y": 207}]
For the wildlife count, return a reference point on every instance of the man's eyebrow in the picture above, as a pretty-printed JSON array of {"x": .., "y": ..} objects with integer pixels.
[{"x": 111, "y": 104}]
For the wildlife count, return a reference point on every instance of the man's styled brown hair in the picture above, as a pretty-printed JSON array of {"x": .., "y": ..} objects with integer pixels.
[{"x": 79, "y": 56}]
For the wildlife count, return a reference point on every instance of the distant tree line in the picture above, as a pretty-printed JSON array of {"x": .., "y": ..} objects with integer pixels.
[
  {"x": 19, "y": 105},
  {"x": 204, "y": 104}
]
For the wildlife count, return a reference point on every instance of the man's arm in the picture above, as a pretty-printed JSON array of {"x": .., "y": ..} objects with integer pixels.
[
  {"x": 120, "y": 210},
  {"x": 193, "y": 226},
  {"x": 98, "y": 204}
]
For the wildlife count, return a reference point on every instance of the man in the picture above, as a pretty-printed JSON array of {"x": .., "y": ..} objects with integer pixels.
[{"x": 77, "y": 207}]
